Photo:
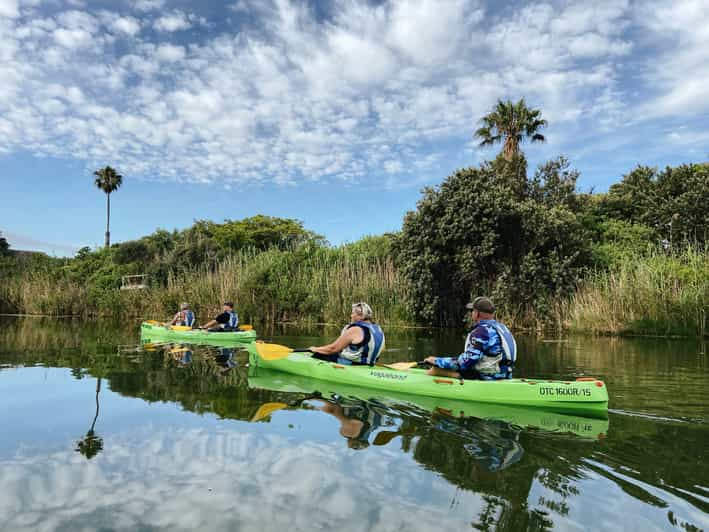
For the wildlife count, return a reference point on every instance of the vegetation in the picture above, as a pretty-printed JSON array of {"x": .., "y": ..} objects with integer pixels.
[
  {"x": 108, "y": 180},
  {"x": 510, "y": 123},
  {"x": 633, "y": 260}
]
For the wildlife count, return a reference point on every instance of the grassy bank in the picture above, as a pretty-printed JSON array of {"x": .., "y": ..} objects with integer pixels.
[
  {"x": 309, "y": 284},
  {"x": 659, "y": 294}
]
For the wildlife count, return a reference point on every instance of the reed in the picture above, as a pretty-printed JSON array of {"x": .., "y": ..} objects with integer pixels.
[{"x": 659, "y": 294}]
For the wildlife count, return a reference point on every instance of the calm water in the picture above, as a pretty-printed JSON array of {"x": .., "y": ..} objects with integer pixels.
[{"x": 99, "y": 433}]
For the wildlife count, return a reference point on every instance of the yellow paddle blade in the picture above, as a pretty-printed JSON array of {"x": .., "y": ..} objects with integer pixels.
[
  {"x": 401, "y": 366},
  {"x": 246, "y": 327},
  {"x": 385, "y": 436},
  {"x": 181, "y": 328},
  {"x": 266, "y": 410},
  {"x": 272, "y": 351},
  {"x": 153, "y": 322}
]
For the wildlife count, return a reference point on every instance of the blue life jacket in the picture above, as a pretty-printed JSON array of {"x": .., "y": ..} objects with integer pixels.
[
  {"x": 189, "y": 317},
  {"x": 233, "y": 320},
  {"x": 367, "y": 351},
  {"x": 509, "y": 345}
]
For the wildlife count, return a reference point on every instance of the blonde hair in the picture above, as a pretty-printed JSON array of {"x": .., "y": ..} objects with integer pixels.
[{"x": 363, "y": 310}]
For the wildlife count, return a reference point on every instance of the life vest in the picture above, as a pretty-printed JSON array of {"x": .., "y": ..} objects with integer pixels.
[
  {"x": 188, "y": 318},
  {"x": 367, "y": 351},
  {"x": 233, "y": 320},
  {"x": 497, "y": 364},
  {"x": 509, "y": 345}
]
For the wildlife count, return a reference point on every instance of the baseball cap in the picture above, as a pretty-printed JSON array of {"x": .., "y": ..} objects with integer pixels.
[{"x": 481, "y": 304}]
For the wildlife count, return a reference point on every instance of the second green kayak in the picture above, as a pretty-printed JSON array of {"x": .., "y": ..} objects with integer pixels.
[
  {"x": 586, "y": 397},
  {"x": 151, "y": 332}
]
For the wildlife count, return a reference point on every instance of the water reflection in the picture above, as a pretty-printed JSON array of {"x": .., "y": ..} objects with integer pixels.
[
  {"x": 293, "y": 452},
  {"x": 91, "y": 444}
]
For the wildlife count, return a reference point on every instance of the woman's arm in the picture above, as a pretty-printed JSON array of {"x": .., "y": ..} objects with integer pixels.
[{"x": 353, "y": 335}]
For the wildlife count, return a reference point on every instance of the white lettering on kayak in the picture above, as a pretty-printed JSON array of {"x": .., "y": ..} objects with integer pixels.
[
  {"x": 388, "y": 375},
  {"x": 559, "y": 391}
]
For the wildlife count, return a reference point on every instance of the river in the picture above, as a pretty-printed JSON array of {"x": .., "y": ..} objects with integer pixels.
[{"x": 100, "y": 432}]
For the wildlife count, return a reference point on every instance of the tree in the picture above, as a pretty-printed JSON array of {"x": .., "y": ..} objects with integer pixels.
[
  {"x": 4, "y": 247},
  {"x": 510, "y": 123},
  {"x": 474, "y": 235},
  {"x": 91, "y": 444},
  {"x": 108, "y": 180}
]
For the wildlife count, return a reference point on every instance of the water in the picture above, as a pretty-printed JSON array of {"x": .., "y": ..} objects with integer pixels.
[{"x": 101, "y": 434}]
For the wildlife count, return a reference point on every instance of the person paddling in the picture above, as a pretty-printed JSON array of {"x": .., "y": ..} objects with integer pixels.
[
  {"x": 490, "y": 348},
  {"x": 227, "y": 321},
  {"x": 185, "y": 317},
  {"x": 360, "y": 342}
]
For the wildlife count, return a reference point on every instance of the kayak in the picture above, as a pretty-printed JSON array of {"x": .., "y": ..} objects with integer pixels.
[
  {"x": 150, "y": 332},
  {"x": 586, "y": 397},
  {"x": 520, "y": 416}
]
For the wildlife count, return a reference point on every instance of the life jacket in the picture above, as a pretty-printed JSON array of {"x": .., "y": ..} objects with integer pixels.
[
  {"x": 188, "y": 318},
  {"x": 233, "y": 320},
  {"x": 497, "y": 364},
  {"x": 509, "y": 345},
  {"x": 369, "y": 349}
]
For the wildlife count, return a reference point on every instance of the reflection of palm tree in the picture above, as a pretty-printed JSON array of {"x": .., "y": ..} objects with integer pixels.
[{"x": 91, "y": 444}]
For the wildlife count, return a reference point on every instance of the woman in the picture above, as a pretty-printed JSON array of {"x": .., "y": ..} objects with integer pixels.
[{"x": 360, "y": 342}]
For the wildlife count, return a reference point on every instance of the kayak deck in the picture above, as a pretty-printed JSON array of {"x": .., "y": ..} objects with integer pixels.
[
  {"x": 150, "y": 331},
  {"x": 582, "y": 397}
]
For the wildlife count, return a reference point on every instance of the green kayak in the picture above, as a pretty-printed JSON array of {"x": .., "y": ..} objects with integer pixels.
[
  {"x": 521, "y": 416},
  {"x": 586, "y": 397},
  {"x": 150, "y": 332}
]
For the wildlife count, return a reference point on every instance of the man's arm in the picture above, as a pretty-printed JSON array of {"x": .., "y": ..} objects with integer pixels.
[{"x": 353, "y": 335}]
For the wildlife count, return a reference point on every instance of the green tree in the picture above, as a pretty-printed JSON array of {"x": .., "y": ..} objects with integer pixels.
[
  {"x": 474, "y": 235},
  {"x": 510, "y": 123},
  {"x": 4, "y": 247},
  {"x": 108, "y": 180}
]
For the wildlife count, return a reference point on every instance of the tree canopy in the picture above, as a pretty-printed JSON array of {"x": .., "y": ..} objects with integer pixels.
[{"x": 510, "y": 123}]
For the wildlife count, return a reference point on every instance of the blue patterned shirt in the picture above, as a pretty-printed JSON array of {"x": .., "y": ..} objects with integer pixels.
[{"x": 482, "y": 341}]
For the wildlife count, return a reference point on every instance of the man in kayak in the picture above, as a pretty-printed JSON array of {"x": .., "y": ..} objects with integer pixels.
[
  {"x": 185, "y": 317},
  {"x": 227, "y": 321},
  {"x": 490, "y": 349},
  {"x": 360, "y": 342}
]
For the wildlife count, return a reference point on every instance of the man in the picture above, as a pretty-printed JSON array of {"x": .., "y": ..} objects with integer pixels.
[
  {"x": 185, "y": 317},
  {"x": 228, "y": 320},
  {"x": 490, "y": 349},
  {"x": 360, "y": 342}
]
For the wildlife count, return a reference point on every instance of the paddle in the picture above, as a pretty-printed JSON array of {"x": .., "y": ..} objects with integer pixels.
[
  {"x": 403, "y": 366},
  {"x": 266, "y": 410},
  {"x": 275, "y": 351}
]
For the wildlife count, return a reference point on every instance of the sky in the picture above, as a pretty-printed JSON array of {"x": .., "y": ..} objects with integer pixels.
[{"x": 336, "y": 113}]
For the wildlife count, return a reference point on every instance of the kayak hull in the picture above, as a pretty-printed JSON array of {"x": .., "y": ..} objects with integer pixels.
[
  {"x": 521, "y": 416},
  {"x": 157, "y": 333},
  {"x": 585, "y": 397}
]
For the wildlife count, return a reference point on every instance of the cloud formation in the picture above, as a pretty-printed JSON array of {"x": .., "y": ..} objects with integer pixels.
[{"x": 277, "y": 92}]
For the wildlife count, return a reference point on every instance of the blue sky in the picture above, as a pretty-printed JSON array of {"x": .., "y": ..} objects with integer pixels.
[{"x": 335, "y": 113}]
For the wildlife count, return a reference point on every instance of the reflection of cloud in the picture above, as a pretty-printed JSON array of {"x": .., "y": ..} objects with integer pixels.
[{"x": 191, "y": 479}]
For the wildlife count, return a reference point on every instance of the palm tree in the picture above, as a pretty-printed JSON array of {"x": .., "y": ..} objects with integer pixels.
[
  {"x": 108, "y": 180},
  {"x": 91, "y": 444},
  {"x": 510, "y": 123}
]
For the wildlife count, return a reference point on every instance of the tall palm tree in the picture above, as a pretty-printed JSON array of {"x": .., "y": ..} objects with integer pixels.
[
  {"x": 91, "y": 444},
  {"x": 108, "y": 180},
  {"x": 510, "y": 123}
]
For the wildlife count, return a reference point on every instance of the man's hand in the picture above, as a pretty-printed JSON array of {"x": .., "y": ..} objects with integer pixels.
[{"x": 430, "y": 360}]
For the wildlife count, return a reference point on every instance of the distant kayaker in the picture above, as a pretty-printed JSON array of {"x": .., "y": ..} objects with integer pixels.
[
  {"x": 228, "y": 320},
  {"x": 185, "y": 317},
  {"x": 360, "y": 342},
  {"x": 490, "y": 348}
]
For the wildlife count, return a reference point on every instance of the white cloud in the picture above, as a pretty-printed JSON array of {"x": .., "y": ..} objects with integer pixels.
[
  {"x": 175, "y": 21},
  {"x": 9, "y": 8},
  {"x": 293, "y": 97}
]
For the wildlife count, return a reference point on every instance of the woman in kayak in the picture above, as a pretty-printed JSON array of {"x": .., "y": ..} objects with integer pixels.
[
  {"x": 227, "y": 321},
  {"x": 184, "y": 317},
  {"x": 490, "y": 348},
  {"x": 359, "y": 343}
]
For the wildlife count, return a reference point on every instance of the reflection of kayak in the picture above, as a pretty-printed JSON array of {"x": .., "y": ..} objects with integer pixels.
[
  {"x": 582, "y": 397},
  {"x": 150, "y": 332},
  {"x": 516, "y": 415}
]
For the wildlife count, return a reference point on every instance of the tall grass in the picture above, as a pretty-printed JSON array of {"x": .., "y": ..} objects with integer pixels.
[
  {"x": 309, "y": 284},
  {"x": 659, "y": 294}
]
